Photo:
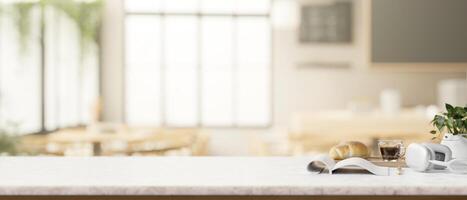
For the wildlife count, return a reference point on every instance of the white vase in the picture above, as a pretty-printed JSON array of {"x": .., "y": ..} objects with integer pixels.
[{"x": 457, "y": 144}]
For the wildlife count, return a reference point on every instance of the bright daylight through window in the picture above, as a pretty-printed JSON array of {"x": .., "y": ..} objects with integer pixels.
[
  {"x": 46, "y": 83},
  {"x": 198, "y": 63}
]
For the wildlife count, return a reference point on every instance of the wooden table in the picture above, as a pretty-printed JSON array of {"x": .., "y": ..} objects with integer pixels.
[{"x": 97, "y": 139}]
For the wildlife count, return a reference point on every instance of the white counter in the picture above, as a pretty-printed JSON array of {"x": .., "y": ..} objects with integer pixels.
[{"x": 205, "y": 176}]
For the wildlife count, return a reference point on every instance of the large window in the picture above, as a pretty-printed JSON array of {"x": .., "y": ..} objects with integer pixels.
[
  {"x": 49, "y": 86},
  {"x": 20, "y": 91},
  {"x": 198, "y": 63}
]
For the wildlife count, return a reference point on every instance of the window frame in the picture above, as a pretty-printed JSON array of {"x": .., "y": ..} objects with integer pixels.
[{"x": 199, "y": 15}]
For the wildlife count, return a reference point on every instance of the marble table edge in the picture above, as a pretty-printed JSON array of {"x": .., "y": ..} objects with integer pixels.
[{"x": 229, "y": 190}]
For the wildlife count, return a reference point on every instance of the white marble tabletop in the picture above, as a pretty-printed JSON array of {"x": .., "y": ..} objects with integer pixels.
[{"x": 205, "y": 176}]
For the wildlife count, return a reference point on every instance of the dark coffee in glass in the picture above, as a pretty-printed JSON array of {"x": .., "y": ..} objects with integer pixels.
[
  {"x": 391, "y": 150},
  {"x": 390, "y": 153}
]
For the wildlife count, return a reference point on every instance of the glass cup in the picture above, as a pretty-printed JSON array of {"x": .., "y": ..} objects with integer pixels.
[{"x": 391, "y": 150}]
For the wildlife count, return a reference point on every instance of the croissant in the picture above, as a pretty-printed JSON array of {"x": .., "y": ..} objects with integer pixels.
[{"x": 349, "y": 149}]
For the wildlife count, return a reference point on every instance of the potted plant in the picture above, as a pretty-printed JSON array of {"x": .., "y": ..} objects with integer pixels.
[{"x": 453, "y": 123}]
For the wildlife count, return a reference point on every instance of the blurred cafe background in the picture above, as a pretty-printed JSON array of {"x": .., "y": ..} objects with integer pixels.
[{"x": 224, "y": 77}]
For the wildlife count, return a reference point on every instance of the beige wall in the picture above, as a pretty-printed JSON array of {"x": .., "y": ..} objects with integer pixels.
[
  {"x": 294, "y": 88},
  {"x": 314, "y": 87}
]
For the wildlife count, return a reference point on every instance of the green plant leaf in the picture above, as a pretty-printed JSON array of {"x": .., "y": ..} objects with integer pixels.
[
  {"x": 458, "y": 113},
  {"x": 458, "y": 124},
  {"x": 449, "y": 108},
  {"x": 454, "y": 120},
  {"x": 440, "y": 122},
  {"x": 450, "y": 126}
]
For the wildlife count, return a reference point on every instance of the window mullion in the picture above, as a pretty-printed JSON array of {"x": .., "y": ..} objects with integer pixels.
[
  {"x": 234, "y": 71},
  {"x": 56, "y": 70},
  {"x": 42, "y": 69},
  {"x": 199, "y": 73},
  {"x": 163, "y": 71}
]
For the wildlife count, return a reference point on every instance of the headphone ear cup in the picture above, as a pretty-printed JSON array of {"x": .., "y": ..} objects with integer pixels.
[
  {"x": 439, "y": 152},
  {"x": 417, "y": 157}
]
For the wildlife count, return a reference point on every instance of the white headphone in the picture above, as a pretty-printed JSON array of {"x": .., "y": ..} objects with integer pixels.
[{"x": 418, "y": 156}]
